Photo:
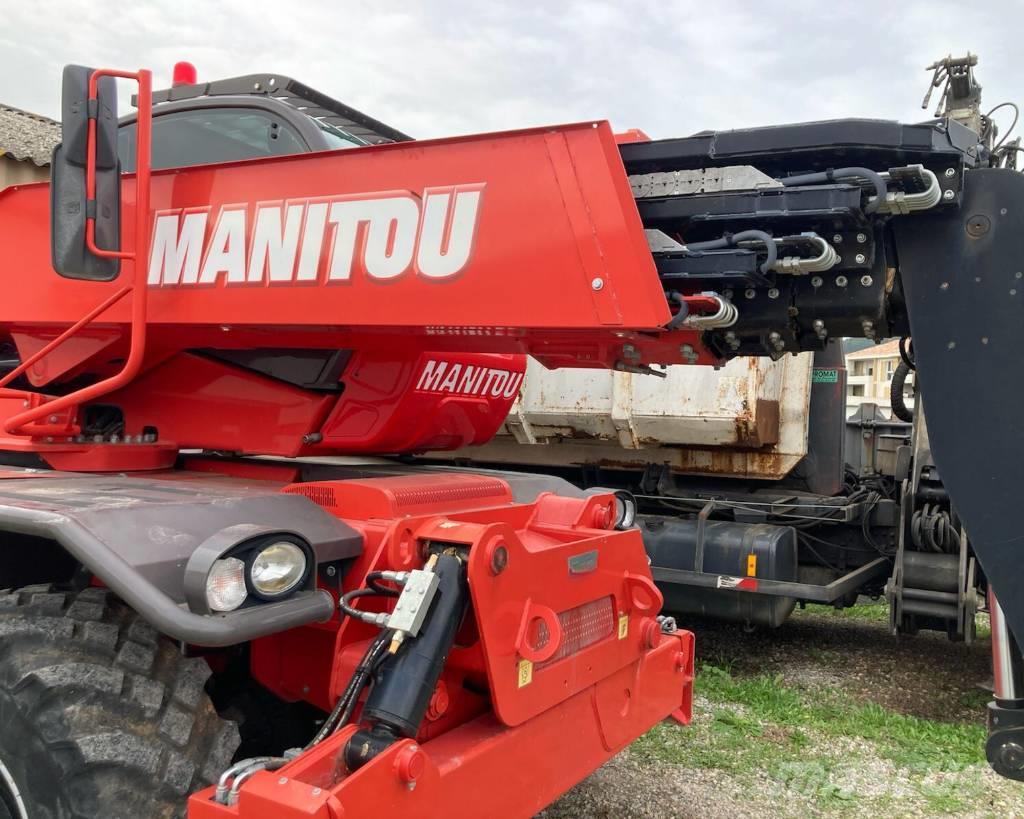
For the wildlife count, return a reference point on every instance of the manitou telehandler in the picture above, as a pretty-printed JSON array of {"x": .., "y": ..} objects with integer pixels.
[{"x": 206, "y": 599}]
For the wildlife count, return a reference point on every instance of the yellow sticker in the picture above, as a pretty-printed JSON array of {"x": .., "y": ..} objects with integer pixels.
[
  {"x": 751, "y": 565},
  {"x": 623, "y": 626},
  {"x": 525, "y": 673}
]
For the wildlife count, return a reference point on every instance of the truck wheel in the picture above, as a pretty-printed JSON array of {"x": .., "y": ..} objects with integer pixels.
[{"x": 100, "y": 716}]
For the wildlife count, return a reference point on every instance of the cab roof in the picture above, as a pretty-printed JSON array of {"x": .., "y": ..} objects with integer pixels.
[{"x": 289, "y": 92}]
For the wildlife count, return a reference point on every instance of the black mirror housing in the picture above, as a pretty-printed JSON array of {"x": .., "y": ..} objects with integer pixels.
[{"x": 68, "y": 205}]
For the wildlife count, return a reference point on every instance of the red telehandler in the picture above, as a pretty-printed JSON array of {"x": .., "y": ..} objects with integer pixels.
[{"x": 218, "y": 585}]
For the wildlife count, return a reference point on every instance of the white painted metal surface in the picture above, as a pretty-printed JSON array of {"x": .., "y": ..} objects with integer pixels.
[{"x": 748, "y": 419}]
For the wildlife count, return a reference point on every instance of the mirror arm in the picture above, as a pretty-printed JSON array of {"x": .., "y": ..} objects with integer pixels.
[{"x": 17, "y": 424}]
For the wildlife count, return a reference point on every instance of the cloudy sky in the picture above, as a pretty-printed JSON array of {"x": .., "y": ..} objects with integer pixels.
[{"x": 447, "y": 66}]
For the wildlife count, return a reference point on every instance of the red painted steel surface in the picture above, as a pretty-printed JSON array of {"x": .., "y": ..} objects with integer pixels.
[
  {"x": 507, "y": 243},
  {"x": 555, "y": 212},
  {"x": 424, "y": 402},
  {"x": 545, "y": 725}
]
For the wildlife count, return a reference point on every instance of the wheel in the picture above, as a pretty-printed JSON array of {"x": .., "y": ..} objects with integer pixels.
[{"x": 100, "y": 715}]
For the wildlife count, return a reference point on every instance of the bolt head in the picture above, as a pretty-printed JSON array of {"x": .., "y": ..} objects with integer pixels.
[
  {"x": 749, "y": 293},
  {"x": 816, "y": 281},
  {"x": 596, "y": 283},
  {"x": 948, "y": 195},
  {"x": 866, "y": 281},
  {"x": 841, "y": 281},
  {"x": 773, "y": 293},
  {"x": 837, "y": 238},
  {"x": 862, "y": 237},
  {"x": 860, "y": 258},
  {"x": 950, "y": 172}
]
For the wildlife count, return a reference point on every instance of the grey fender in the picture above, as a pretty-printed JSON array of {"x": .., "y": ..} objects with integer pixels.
[{"x": 138, "y": 534}]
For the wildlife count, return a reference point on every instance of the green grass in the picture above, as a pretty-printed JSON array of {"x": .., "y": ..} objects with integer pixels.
[
  {"x": 760, "y": 726},
  {"x": 874, "y": 612},
  {"x": 907, "y": 741}
]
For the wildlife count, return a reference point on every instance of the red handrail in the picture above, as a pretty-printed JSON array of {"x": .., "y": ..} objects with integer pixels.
[{"x": 15, "y": 425}]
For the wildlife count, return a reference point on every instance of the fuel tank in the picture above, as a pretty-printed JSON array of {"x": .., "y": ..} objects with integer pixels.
[{"x": 734, "y": 550}]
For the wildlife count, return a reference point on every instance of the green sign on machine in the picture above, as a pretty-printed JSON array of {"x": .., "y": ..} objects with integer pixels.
[{"x": 824, "y": 376}]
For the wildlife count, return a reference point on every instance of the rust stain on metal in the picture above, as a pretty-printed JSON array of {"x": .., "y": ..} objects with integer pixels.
[{"x": 760, "y": 427}]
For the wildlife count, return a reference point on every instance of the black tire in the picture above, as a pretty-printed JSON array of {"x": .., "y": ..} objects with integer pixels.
[{"x": 100, "y": 716}]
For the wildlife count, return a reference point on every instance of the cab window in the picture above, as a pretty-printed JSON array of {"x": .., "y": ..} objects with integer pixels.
[{"x": 205, "y": 135}]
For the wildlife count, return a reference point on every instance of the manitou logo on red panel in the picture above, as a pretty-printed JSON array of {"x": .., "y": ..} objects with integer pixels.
[
  {"x": 385, "y": 235},
  {"x": 468, "y": 379}
]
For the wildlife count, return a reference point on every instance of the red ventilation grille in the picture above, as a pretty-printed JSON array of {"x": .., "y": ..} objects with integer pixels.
[
  {"x": 446, "y": 493},
  {"x": 405, "y": 495},
  {"x": 318, "y": 493},
  {"x": 582, "y": 627}
]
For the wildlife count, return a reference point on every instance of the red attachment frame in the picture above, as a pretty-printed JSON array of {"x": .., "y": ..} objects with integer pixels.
[
  {"x": 561, "y": 699},
  {"x": 24, "y": 423}
]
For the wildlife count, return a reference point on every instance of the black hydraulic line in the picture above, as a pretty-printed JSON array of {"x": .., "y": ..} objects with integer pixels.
[
  {"x": 363, "y": 675},
  {"x": 843, "y": 173},
  {"x": 373, "y": 580},
  {"x": 342, "y": 710},
  {"x": 899, "y": 405},
  {"x": 683, "y": 312},
  {"x": 732, "y": 239},
  {"x": 907, "y": 351},
  {"x": 345, "y": 603}
]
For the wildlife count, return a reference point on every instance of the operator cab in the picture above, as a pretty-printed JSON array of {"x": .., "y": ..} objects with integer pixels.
[{"x": 250, "y": 117}]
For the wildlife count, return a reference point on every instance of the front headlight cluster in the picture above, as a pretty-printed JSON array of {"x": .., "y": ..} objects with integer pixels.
[{"x": 269, "y": 573}]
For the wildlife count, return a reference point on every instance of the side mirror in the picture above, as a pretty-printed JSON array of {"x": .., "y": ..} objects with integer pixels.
[{"x": 69, "y": 203}]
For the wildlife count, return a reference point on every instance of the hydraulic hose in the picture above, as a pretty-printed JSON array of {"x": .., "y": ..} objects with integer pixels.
[
  {"x": 732, "y": 239},
  {"x": 899, "y": 405},
  {"x": 844, "y": 173}
]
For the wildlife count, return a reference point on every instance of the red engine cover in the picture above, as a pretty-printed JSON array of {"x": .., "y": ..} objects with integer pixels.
[{"x": 434, "y": 401}]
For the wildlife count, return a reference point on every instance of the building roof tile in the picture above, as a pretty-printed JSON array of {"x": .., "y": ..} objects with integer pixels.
[
  {"x": 887, "y": 349},
  {"x": 27, "y": 137}
]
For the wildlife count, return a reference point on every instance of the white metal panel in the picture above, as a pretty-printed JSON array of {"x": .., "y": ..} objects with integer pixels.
[{"x": 747, "y": 419}]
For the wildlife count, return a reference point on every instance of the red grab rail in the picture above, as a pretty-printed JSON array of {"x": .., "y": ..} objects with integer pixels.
[{"x": 41, "y": 406}]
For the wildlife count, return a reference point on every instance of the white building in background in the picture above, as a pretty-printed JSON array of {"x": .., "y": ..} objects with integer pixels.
[{"x": 869, "y": 377}]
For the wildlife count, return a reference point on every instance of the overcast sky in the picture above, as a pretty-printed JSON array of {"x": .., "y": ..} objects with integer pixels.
[{"x": 447, "y": 67}]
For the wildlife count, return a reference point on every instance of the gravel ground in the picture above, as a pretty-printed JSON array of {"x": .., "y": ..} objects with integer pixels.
[{"x": 857, "y": 660}]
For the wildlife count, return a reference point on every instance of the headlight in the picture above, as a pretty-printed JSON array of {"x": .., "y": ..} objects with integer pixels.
[
  {"x": 225, "y": 584},
  {"x": 625, "y": 510},
  {"x": 277, "y": 569}
]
